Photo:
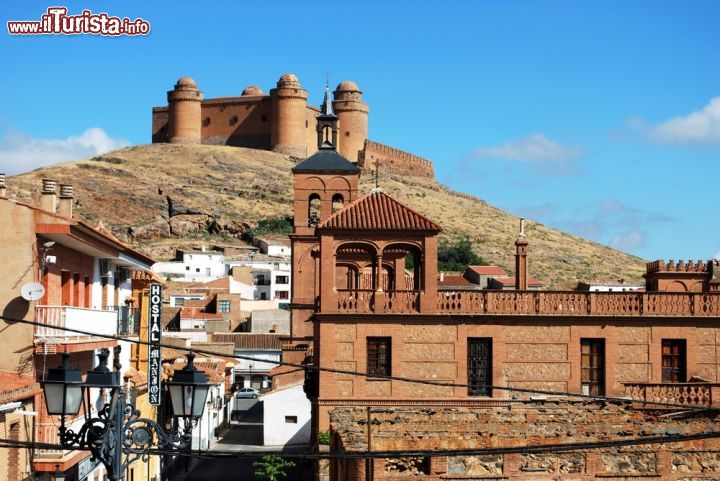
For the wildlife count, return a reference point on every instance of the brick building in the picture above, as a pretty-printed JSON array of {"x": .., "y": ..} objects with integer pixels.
[
  {"x": 282, "y": 121},
  {"x": 498, "y": 365},
  {"x": 86, "y": 282}
]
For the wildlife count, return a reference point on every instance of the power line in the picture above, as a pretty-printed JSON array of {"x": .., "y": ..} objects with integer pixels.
[
  {"x": 525, "y": 449},
  {"x": 362, "y": 374}
]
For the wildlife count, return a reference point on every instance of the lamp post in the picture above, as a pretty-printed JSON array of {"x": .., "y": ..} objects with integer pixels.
[{"x": 117, "y": 429}]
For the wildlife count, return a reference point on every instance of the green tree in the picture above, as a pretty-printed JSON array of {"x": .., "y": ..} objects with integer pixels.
[
  {"x": 272, "y": 468},
  {"x": 457, "y": 255}
]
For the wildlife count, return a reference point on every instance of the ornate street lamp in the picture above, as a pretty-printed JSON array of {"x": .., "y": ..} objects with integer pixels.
[
  {"x": 117, "y": 429},
  {"x": 188, "y": 390},
  {"x": 63, "y": 389}
]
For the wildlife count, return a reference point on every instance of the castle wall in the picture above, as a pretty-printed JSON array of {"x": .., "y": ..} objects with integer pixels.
[
  {"x": 238, "y": 121},
  {"x": 394, "y": 161}
]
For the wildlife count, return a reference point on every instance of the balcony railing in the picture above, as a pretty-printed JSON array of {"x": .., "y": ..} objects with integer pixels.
[
  {"x": 570, "y": 303},
  {"x": 687, "y": 394},
  {"x": 361, "y": 301},
  {"x": 58, "y": 317},
  {"x": 546, "y": 303}
]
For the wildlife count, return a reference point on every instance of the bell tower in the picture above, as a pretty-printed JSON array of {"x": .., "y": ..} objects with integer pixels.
[{"x": 324, "y": 183}]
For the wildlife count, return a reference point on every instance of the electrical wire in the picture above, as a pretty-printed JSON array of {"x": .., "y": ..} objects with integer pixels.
[
  {"x": 363, "y": 374},
  {"x": 365, "y": 454}
]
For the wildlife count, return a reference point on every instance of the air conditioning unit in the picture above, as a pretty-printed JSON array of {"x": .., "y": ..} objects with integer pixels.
[
  {"x": 105, "y": 270},
  {"x": 122, "y": 274}
]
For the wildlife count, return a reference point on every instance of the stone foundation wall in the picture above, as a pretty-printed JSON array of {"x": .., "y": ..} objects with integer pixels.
[{"x": 521, "y": 424}]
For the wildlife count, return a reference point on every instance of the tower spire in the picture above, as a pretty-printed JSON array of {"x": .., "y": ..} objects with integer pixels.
[{"x": 327, "y": 123}]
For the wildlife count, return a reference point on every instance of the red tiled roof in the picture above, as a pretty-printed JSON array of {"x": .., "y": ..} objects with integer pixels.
[
  {"x": 488, "y": 270},
  {"x": 251, "y": 342},
  {"x": 379, "y": 211},
  {"x": 220, "y": 283},
  {"x": 14, "y": 387},
  {"x": 447, "y": 280}
]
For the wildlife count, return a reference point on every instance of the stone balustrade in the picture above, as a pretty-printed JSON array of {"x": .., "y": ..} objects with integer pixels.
[
  {"x": 687, "y": 394},
  {"x": 546, "y": 303}
]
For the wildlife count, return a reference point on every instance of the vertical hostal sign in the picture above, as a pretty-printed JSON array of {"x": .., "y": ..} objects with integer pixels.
[{"x": 154, "y": 337}]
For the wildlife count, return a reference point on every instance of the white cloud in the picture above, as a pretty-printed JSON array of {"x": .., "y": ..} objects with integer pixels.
[
  {"x": 544, "y": 155},
  {"x": 20, "y": 152},
  {"x": 628, "y": 241},
  {"x": 696, "y": 128}
]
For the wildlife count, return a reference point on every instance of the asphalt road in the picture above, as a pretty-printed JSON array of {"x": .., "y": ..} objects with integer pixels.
[{"x": 245, "y": 434}]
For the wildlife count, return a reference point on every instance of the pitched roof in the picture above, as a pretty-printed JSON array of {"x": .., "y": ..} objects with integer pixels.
[
  {"x": 488, "y": 270},
  {"x": 326, "y": 160},
  {"x": 379, "y": 211},
  {"x": 15, "y": 387},
  {"x": 251, "y": 342},
  {"x": 450, "y": 280}
]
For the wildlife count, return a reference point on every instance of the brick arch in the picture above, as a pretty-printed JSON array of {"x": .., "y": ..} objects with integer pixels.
[
  {"x": 393, "y": 251},
  {"x": 676, "y": 286},
  {"x": 340, "y": 184},
  {"x": 314, "y": 183}
]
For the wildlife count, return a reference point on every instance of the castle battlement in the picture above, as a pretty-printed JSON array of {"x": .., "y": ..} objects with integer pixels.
[
  {"x": 282, "y": 121},
  {"x": 681, "y": 266}
]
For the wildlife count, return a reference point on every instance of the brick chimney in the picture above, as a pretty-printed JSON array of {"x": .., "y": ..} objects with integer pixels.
[
  {"x": 65, "y": 205},
  {"x": 3, "y": 187},
  {"x": 48, "y": 199},
  {"x": 521, "y": 270}
]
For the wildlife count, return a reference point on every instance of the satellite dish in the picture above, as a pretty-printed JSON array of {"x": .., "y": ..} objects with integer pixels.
[{"x": 32, "y": 291}]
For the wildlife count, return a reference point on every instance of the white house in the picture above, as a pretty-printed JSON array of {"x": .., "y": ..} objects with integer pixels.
[
  {"x": 271, "y": 275},
  {"x": 286, "y": 418},
  {"x": 192, "y": 266}
]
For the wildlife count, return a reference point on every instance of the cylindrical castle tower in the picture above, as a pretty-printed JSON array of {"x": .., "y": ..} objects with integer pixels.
[
  {"x": 184, "y": 103},
  {"x": 352, "y": 115},
  {"x": 288, "y": 131}
]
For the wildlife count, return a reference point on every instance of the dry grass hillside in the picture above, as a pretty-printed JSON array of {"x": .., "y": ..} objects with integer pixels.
[{"x": 229, "y": 189}]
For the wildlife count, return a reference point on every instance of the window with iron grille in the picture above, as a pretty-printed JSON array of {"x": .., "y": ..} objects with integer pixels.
[
  {"x": 674, "y": 360},
  {"x": 379, "y": 355},
  {"x": 592, "y": 366},
  {"x": 479, "y": 366},
  {"x": 224, "y": 306}
]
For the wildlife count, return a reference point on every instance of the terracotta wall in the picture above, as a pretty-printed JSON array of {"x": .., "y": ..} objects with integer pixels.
[{"x": 526, "y": 353}]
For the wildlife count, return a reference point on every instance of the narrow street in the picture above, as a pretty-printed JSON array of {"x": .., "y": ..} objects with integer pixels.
[{"x": 244, "y": 434}]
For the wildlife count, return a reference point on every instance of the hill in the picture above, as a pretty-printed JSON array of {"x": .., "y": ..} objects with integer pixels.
[{"x": 222, "y": 191}]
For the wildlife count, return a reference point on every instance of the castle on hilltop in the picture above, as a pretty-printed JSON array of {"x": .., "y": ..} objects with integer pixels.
[{"x": 282, "y": 121}]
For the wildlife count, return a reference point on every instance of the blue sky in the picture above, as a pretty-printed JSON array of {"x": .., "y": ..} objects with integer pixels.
[{"x": 598, "y": 118}]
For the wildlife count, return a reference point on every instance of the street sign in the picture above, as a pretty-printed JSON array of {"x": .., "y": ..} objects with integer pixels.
[{"x": 154, "y": 338}]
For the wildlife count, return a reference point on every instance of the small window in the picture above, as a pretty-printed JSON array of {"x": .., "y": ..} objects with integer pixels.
[
  {"x": 281, "y": 295},
  {"x": 281, "y": 279},
  {"x": 347, "y": 134},
  {"x": 179, "y": 301},
  {"x": 379, "y": 356},
  {"x": 206, "y": 121},
  {"x": 197, "y": 269},
  {"x": 207, "y": 271},
  {"x": 291, "y": 419},
  {"x": 187, "y": 268},
  {"x": 224, "y": 306},
  {"x": 592, "y": 366},
  {"x": 306, "y": 124},
  {"x": 233, "y": 120},
  {"x": 674, "y": 360}
]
